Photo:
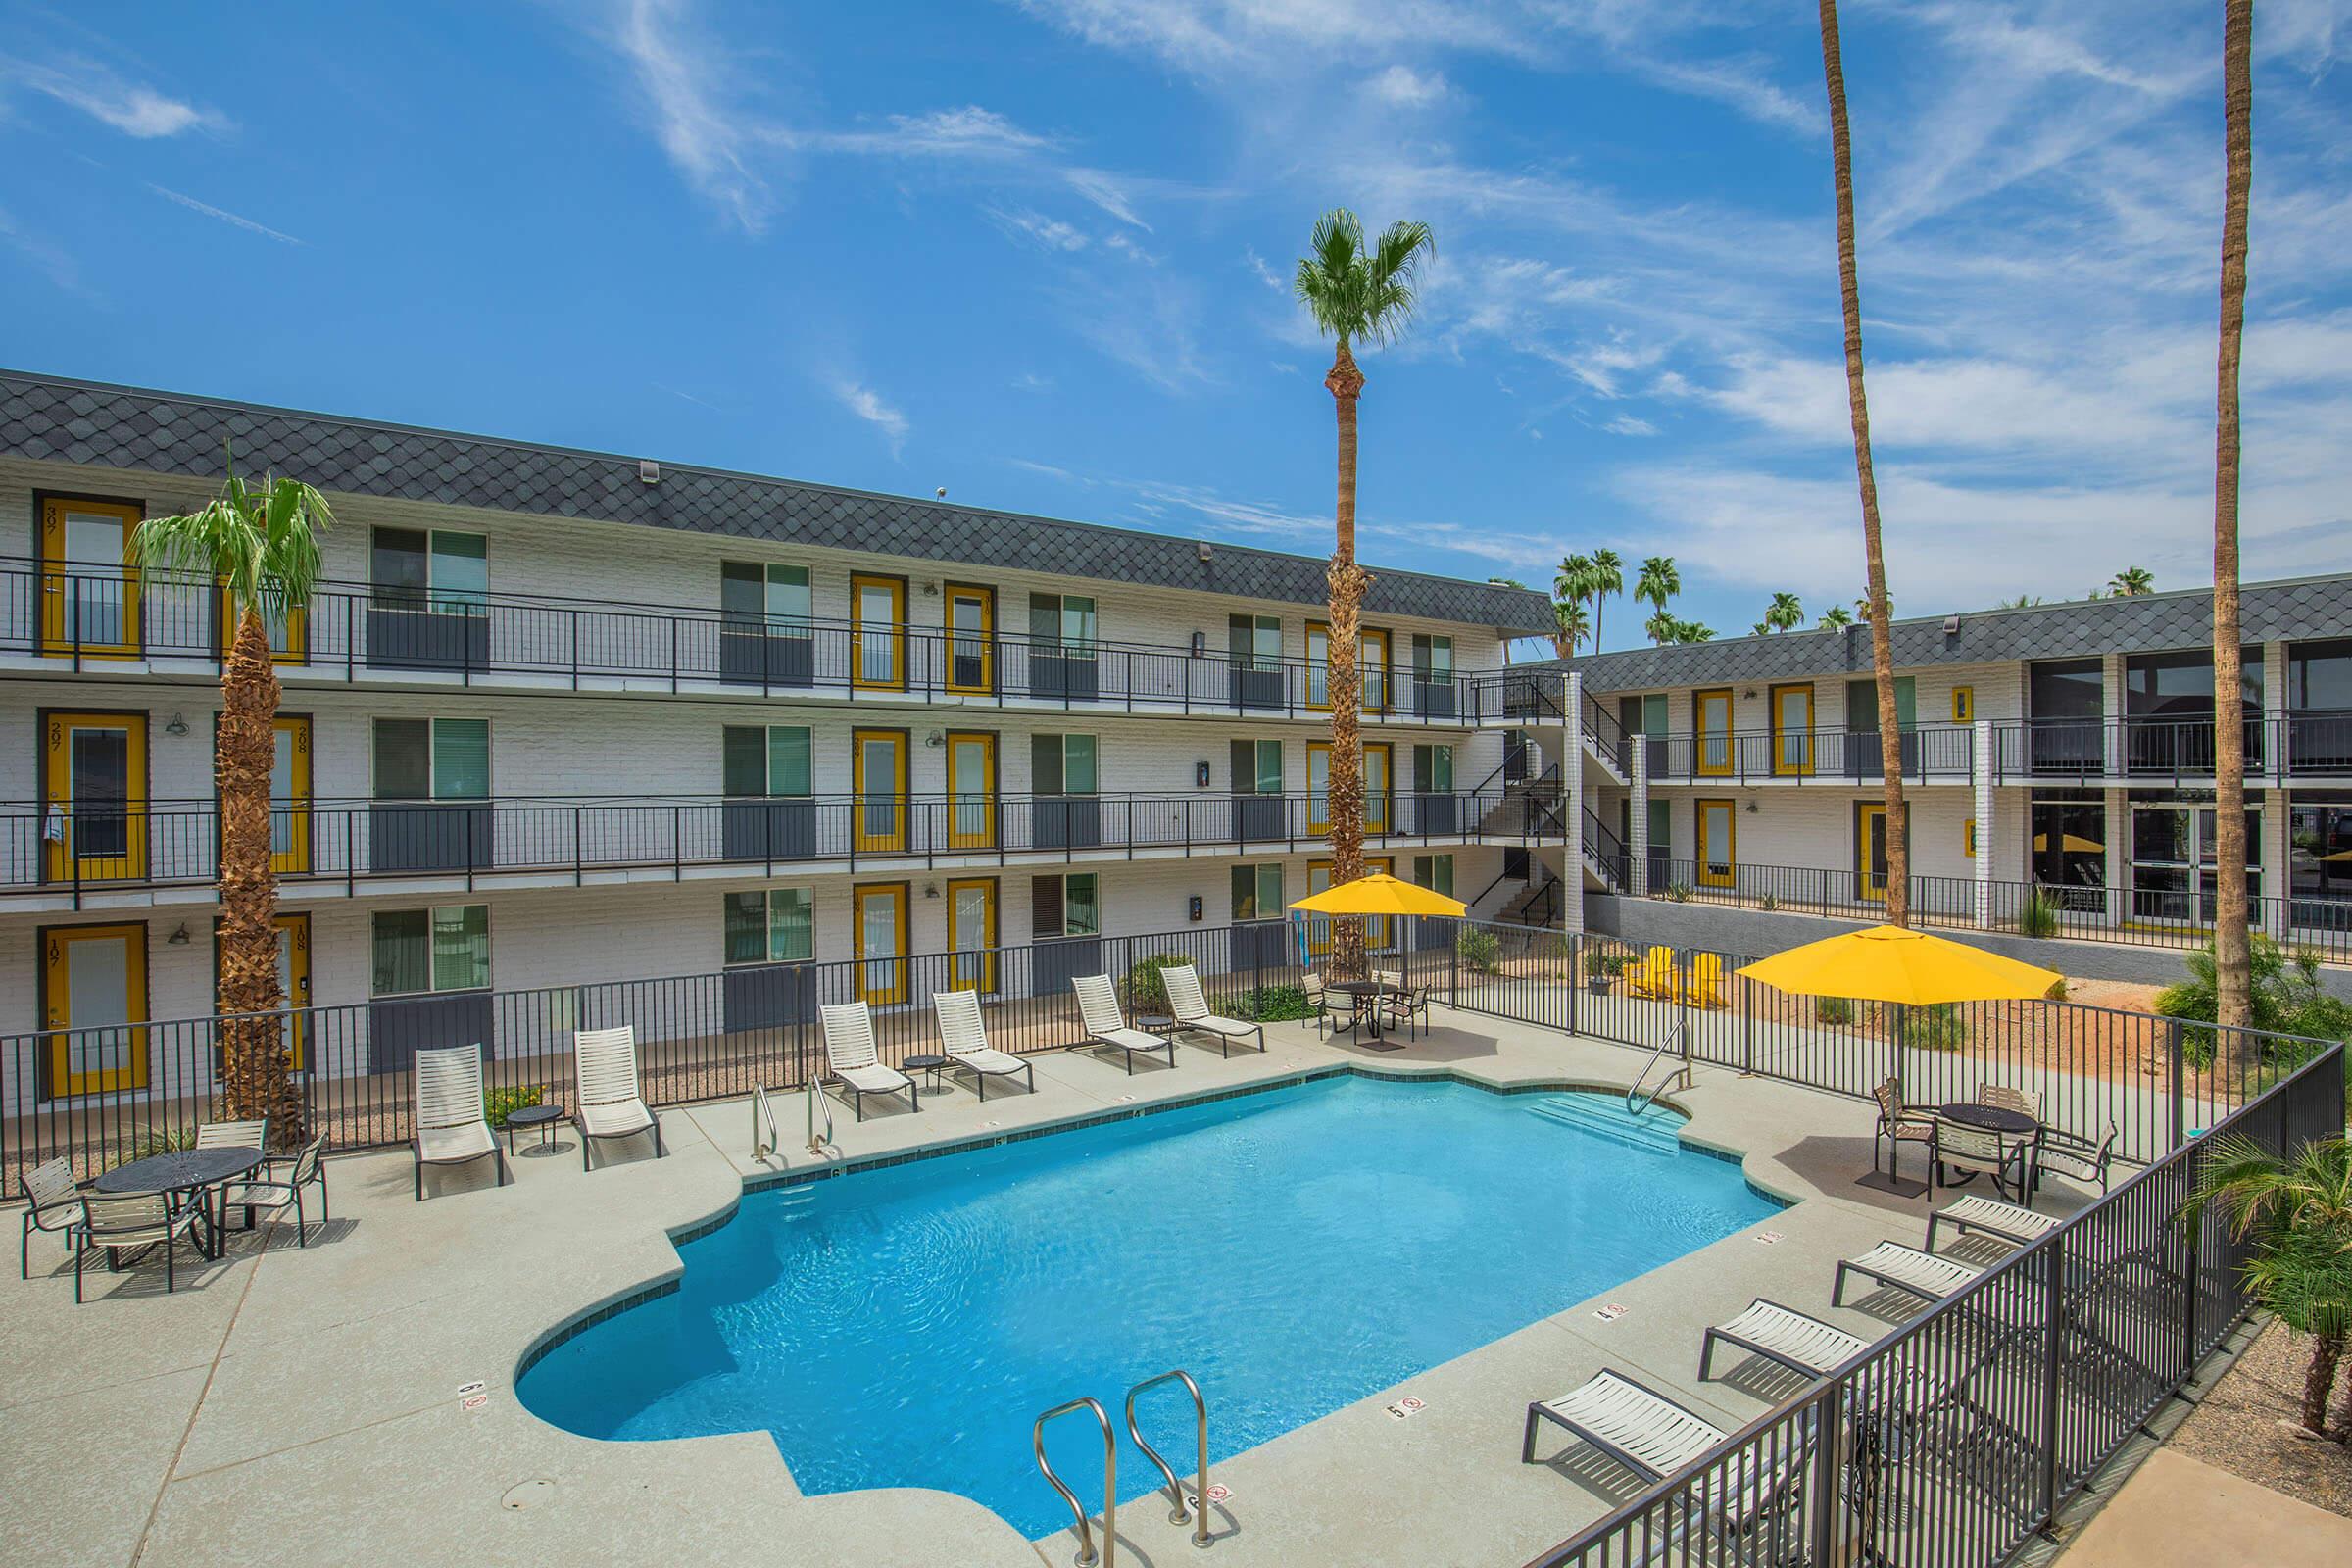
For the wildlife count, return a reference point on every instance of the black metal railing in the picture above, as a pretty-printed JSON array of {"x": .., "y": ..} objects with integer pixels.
[
  {"x": 94, "y": 621},
  {"x": 1939, "y": 752},
  {"x": 1605, "y": 733},
  {"x": 1604, "y": 851}
]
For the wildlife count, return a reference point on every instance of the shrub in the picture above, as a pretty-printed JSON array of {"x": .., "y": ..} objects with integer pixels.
[
  {"x": 2285, "y": 996},
  {"x": 1768, "y": 902},
  {"x": 1146, "y": 992},
  {"x": 1941, "y": 1027},
  {"x": 1273, "y": 1005},
  {"x": 1608, "y": 964},
  {"x": 2039, "y": 915},
  {"x": 1832, "y": 1009},
  {"x": 496, "y": 1102},
  {"x": 157, "y": 1143},
  {"x": 1678, "y": 893},
  {"x": 1482, "y": 950}
]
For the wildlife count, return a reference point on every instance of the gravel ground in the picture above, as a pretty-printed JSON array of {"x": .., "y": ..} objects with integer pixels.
[{"x": 2237, "y": 1427}]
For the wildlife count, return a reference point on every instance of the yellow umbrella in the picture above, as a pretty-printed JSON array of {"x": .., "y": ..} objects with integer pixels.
[
  {"x": 2072, "y": 843},
  {"x": 1378, "y": 894},
  {"x": 1910, "y": 969}
]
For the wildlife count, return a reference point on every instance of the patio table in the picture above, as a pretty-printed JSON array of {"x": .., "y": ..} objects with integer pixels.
[
  {"x": 1364, "y": 999},
  {"x": 187, "y": 1170}
]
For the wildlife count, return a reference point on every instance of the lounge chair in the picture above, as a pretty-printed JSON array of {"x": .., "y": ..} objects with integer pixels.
[
  {"x": 1655, "y": 978},
  {"x": 852, "y": 1060},
  {"x": 51, "y": 1203},
  {"x": 2077, "y": 1157},
  {"x": 273, "y": 1191},
  {"x": 133, "y": 1222},
  {"x": 1190, "y": 1006},
  {"x": 1704, "y": 988},
  {"x": 451, "y": 1128},
  {"x": 611, "y": 1104},
  {"x": 1986, "y": 1216},
  {"x": 1107, "y": 1025},
  {"x": 1906, "y": 1268},
  {"x": 965, "y": 1037},
  {"x": 1784, "y": 1336},
  {"x": 1898, "y": 1125},
  {"x": 1399, "y": 1002}
]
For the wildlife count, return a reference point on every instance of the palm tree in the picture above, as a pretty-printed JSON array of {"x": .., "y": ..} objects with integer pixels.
[
  {"x": 2024, "y": 602},
  {"x": 1692, "y": 631},
  {"x": 1660, "y": 626},
  {"x": 2233, "y": 955},
  {"x": 1572, "y": 586},
  {"x": 260, "y": 544},
  {"x": 2132, "y": 581},
  {"x": 1609, "y": 580},
  {"x": 1356, "y": 296},
  {"x": 1658, "y": 583},
  {"x": 1759, "y": 629},
  {"x": 1574, "y": 626},
  {"x": 2299, "y": 1214},
  {"x": 1787, "y": 613},
  {"x": 1881, "y": 640},
  {"x": 1836, "y": 617}
]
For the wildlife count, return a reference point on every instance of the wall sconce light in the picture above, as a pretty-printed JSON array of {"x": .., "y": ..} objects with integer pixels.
[
  {"x": 177, "y": 726},
  {"x": 930, "y": 890},
  {"x": 1203, "y": 546},
  {"x": 935, "y": 740},
  {"x": 648, "y": 471},
  {"x": 1199, "y": 643},
  {"x": 1748, "y": 695},
  {"x": 178, "y": 937},
  {"x": 1751, "y": 806},
  {"x": 930, "y": 590},
  {"x": 1199, "y": 775},
  {"x": 1193, "y": 907}
]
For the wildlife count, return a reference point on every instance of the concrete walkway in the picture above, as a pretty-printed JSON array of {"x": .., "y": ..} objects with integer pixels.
[
  {"x": 2179, "y": 1513},
  {"x": 309, "y": 1406}
]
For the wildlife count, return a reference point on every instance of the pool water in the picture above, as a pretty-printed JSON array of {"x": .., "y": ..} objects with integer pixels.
[{"x": 1294, "y": 1250}]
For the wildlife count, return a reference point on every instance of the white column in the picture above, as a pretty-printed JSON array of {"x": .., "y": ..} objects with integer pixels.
[
  {"x": 1981, "y": 793},
  {"x": 1637, "y": 838},
  {"x": 2274, "y": 714},
  {"x": 2111, "y": 703},
  {"x": 2119, "y": 856},
  {"x": 2277, "y": 870},
  {"x": 1572, "y": 808}
]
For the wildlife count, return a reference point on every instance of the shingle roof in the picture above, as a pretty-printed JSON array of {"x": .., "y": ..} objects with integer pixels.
[
  {"x": 58, "y": 419},
  {"x": 2268, "y": 612}
]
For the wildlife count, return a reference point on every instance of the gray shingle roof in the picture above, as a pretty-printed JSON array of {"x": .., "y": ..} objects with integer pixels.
[
  {"x": 2268, "y": 612},
  {"x": 57, "y": 420}
]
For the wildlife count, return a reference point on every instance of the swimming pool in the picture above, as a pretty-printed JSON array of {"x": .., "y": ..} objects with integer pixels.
[{"x": 1294, "y": 1250}]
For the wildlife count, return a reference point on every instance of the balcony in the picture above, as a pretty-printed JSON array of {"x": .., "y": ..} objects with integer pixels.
[
  {"x": 116, "y": 857},
  {"x": 1944, "y": 753},
  {"x": 114, "y": 624}
]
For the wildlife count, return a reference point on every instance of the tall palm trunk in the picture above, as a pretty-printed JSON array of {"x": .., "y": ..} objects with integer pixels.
[
  {"x": 1348, "y": 581},
  {"x": 255, "y": 1074},
  {"x": 1882, "y": 638},
  {"x": 2232, "y": 959}
]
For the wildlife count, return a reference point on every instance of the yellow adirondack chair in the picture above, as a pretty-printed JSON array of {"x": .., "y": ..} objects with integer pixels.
[
  {"x": 1655, "y": 978},
  {"x": 1705, "y": 986}
]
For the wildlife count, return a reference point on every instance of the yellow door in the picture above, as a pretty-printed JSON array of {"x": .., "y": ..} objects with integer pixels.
[
  {"x": 1375, "y": 647},
  {"x": 290, "y": 795},
  {"x": 1718, "y": 843},
  {"x": 94, "y": 825},
  {"x": 1376, "y": 787},
  {"x": 878, "y": 633},
  {"x": 293, "y": 983},
  {"x": 94, "y": 985},
  {"x": 881, "y": 922},
  {"x": 1793, "y": 731},
  {"x": 972, "y": 934},
  {"x": 89, "y": 589},
  {"x": 878, "y": 765},
  {"x": 1318, "y": 926},
  {"x": 971, "y": 790},
  {"x": 288, "y": 631},
  {"x": 1870, "y": 851},
  {"x": 1711, "y": 718},
  {"x": 972, "y": 639}
]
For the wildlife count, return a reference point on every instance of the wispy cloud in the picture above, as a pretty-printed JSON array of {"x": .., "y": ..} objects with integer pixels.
[
  {"x": 688, "y": 90},
  {"x": 1401, "y": 86},
  {"x": 869, "y": 406},
  {"x": 223, "y": 214},
  {"x": 42, "y": 252},
  {"x": 97, "y": 90},
  {"x": 1050, "y": 232}
]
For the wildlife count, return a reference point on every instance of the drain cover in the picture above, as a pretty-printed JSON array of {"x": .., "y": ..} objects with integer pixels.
[{"x": 527, "y": 1495}]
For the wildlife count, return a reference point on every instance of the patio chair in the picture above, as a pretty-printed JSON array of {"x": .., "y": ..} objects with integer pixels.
[
  {"x": 1190, "y": 1006},
  {"x": 271, "y": 1192},
  {"x": 852, "y": 1060},
  {"x": 253, "y": 1133},
  {"x": 1784, "y": 1336},
  {"x": 1988, "y": 1216},
  {"x": 2075, "y": 1156},
  {"x": 1973, "y": 1152},
  {"x": 2025, "y": 1101},
  {"x": 1399, "y": 1002},
  {"x": 1898, "y": 1125},
  {"x": 611, "y": 1104},
  {"x": 451, "y": 1128},
  {"x": 1906, "y": 1268},
  {"x": 133, "y": 1222},
  {"x": 1106, "y": 1025},
  {"x": 1654, "y": 980},
  {"x": 1704, "y": 989},
  {"x": 1318, "y": 998},
  {"x": 52, "y": 1204},
  {"x": 965, "y": 1037}
]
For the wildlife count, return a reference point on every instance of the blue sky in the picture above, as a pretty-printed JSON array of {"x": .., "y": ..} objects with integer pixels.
[{"x": 1039, "y": 253}]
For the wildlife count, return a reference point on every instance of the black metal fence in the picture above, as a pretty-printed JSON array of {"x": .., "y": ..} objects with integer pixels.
[{"x": 1956, "y": 1437}]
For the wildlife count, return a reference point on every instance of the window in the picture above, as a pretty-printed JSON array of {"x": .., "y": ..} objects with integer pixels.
[
  {"x": 1434, "y": 872},
  {"x": 1069, "y": 905},
  {"x": 1061, "y": 764},
  {"x": 2068, "y": 845},
  {"x": 2319, "y": 676},
  {"x": 1964, "y": 705},
  {"x": 1254, "y": 641},
  {"x": 764, "y": 759},
  {"x": 2179, "y": 685},
  {"x": 1433, "y": 770},
  {"x": 1257, "y": 767},
  {"x": 1793, "y": 729},
  {"x": 775, "y": 925},
  {"x": 447, "y": 571},
  {"x": 1712, "y": 724},
  {"x": 420, "y": 952},
  {"x": 1433, "y": 657},
  {"x": 1257, "y": 892},
  {"x": 2060, "y": 689},
  {"x": 432, "y": 758},
  {"x": 779, "y": 597},
  {"x": 2319, "y": 864},
  {"x": 1063, "y": 623}
]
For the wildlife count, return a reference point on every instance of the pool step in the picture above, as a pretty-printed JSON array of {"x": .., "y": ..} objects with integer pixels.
[
  {"x": 1652, "y": 1131},
  {"x": 794, "y": 1203}
]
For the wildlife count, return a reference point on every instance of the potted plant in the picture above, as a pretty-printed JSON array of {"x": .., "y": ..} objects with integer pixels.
[{"x": 1602, "y": 970}]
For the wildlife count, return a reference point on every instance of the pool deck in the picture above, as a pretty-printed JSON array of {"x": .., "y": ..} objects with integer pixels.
[{"x": 307, "y": 1407}]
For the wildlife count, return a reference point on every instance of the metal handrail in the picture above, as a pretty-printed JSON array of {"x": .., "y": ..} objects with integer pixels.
[
  {"x": 1110, "y": 1483},
  {"x": 1178, "y": 1512},
  {"x": 820, "y": 1146},
  {"x": 764, "y": 1114},
  {"x": 1682, "y": 1071}
]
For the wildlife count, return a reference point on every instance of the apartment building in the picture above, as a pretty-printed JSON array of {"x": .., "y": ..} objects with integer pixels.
[
  {"x": 2059, "y": 762},
  {"x": 562, "y": 717}
]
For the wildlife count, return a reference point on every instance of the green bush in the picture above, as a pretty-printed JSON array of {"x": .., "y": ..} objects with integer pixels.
[
  {"x": 1832, "y": 1009},
  {"x": 1481, "y": 951},
  {"x": 1608, "y": 964},
  {"x": 1274, "y": 1005},
  {"x": 1146, "y": 992},
  {"x": 2039, "y": 915},
  {"x": 1941, "y": 1027},
  {"x": 1678, "y": 893},
  {"x": 496, "y": 1102},
  {"x": 2285, "y": 996}
]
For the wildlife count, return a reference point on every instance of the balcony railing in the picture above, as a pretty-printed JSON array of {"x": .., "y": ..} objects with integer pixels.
[
  {"x": 96, "y": 621},
  {"x": 166, "y": 845},
  {"x": 1943, "y": 753}
]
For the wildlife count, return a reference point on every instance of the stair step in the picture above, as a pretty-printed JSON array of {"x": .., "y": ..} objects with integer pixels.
[{"x": 1604, "y": 1118}]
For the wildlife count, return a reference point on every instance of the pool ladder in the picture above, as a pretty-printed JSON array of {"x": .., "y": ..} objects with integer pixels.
[
  {"x": 1636, "y": 1100},
  {"x": 766, "y": 1145},
  {"x": 1178, "y": 1512}
]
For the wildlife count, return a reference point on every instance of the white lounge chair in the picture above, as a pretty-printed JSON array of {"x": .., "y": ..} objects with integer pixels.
[
  {"x": 1906, "y": 1268},
  {"x": 1784, "y": 1336},
  {"x": 965, "y": 1037},
  {"x": 451, "y": 1128},
  {"x": 1638, "y": 1427},
  {"x": 1190, "y": 1007},
  {"x": 611, "y": 1104},
  {"x": 1107, "y": 1025},
  {"x": 2004, "y": 1221},
  {"x": 852, "y": 1060}
]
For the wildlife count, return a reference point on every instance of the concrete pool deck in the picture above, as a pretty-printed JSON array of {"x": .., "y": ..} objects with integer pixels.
[{"x": 307, "y": 1405}]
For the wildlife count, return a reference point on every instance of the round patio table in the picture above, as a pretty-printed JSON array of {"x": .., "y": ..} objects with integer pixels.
[
  {"x": 186, "y": 1170},
  {"x": 1365, "y": 996},
  {"x": 542, "y": 1117},
  {"x": 1989, "y": 1119}
]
